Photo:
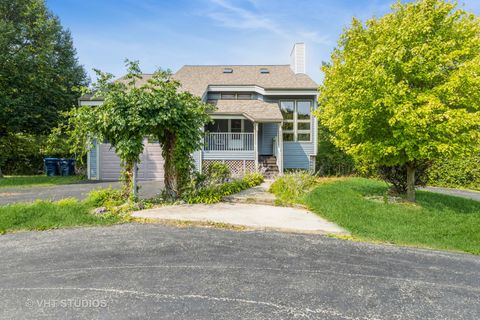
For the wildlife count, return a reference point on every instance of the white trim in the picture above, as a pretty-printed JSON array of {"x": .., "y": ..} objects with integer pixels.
[
  {"x": 315, "y": 129},
  {"x": 255, "y": 144},
  {"x": 97, "y": 146},
  {"x": 262, "y": 91},
  {"x": 89, "y": 174},
  {"x": 280, "y": 143},
  {"x": 225, "y": 115}
]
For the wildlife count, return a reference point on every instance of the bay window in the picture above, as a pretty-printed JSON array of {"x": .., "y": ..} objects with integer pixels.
[{"x": 297, "y": 120}]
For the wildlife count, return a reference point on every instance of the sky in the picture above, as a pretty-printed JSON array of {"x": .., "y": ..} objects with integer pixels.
[{"x": 169, "y": 34}]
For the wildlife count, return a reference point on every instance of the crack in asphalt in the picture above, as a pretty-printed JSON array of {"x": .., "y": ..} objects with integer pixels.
[
  {"x": 396, "y": 279},
  {"x": 296, "y": 312}
]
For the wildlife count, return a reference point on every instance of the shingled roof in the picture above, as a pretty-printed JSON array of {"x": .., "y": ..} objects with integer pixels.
[
  {"x": 196, "y": 79},
  {"x": 255, "y": 110}
]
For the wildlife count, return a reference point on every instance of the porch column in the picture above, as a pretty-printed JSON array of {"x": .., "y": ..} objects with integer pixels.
[
  {"x": 255, "y": 144},
  {"x": 280, "y": 148}
]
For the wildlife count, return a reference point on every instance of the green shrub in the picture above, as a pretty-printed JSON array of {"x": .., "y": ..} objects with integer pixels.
[
  {"x": 108, "y": 197},
  {"x": 215, "y": 193},
  {"x": 218, "y": 173},
  {"x": 22, "y": 154},
  {"x": 456, "y": 173},
  {"x": 330, "y": 160},
  {"x": 291, "y": 186},
  {"x": 253, "y": 179},
  {"x": 397, "y": 177}
]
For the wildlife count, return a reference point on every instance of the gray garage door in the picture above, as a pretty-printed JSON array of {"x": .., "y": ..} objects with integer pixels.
[{"x": 150, "y": 167}]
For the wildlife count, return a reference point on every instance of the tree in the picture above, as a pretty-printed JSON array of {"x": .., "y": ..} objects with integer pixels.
[
  {"x": 405, "y": 88},
  {"x": 39, "y": 70},
  {"x": 177, "y": 119},
  {"x": 133, "y": 109},
  {"x": 117, "y": 120}
]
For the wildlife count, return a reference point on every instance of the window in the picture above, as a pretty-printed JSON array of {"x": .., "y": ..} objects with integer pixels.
[
  {"x": 303, "y": 120},
  {"x": 218, "y": 125},
  {"x": 247, "y": 126},
  {"x": 231, "y": 96},
  {"x": 244, "y": 96},
  {"x": 228, "y": 96},
  {"x": 288, "y": 112},
  {"x": 236, "y": 125},
  {"x": 297, "y": 120}
]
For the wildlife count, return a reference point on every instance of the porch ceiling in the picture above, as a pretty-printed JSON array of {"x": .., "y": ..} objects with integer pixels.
[{"x": 255, "y": 110}]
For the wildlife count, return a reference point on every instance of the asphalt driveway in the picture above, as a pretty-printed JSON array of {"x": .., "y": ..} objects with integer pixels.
[
  {"x": 77, "y": 190},
  {"x": 468, "y": 194},
  {"x": 158, "y": 272}
]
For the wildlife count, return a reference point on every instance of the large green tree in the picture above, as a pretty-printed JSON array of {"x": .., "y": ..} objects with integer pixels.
[
  {"x": 405, "y": 88},
  {"x": 177, "y": 119},
  {"x": 39, "y": 70},
  {"x": 134, "y": 108}
]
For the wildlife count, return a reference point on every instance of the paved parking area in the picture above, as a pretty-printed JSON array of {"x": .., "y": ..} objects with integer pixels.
[
  {"x": 148, "y": 271},
  {"x": 75, "y": 190}
]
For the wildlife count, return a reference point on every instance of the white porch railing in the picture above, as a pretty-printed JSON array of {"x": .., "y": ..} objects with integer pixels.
[{"x": 228, "y": 141}]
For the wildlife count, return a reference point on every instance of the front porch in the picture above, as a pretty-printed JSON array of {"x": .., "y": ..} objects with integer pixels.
[{"x": 244, "y": 145}]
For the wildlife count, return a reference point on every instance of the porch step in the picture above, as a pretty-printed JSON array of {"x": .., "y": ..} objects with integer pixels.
[{"x": 269, "y": 166}]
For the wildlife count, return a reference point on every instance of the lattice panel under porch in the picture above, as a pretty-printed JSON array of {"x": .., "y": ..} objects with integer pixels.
[{"x": 238, "y": 168}]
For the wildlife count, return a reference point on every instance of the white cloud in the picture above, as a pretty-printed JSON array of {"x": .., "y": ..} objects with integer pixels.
[{"x": 233, "y": 16}]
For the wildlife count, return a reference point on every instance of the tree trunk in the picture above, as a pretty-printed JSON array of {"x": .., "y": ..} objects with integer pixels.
[
  {"x": 168, "y": 150},
  {"x": 128, "y": 176},
  {"x": 1, "y": 174},
  {"x": 134, "y": 184},
  {"x": 411, "y": 183}
]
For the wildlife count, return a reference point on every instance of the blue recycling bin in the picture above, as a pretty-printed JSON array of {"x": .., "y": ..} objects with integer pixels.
[
  {"x": 51, "y": 166},
  {"x": 67, "y": 167}
]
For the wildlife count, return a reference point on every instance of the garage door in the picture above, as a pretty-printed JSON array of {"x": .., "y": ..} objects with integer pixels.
[{"x": 150, "y": 167}]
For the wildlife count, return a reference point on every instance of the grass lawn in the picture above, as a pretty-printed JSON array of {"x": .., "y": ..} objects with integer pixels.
[
  {"x": 436, "y": 221},
  {"x": 31, "y": 181},
  {"x": 42, "y": 215}
]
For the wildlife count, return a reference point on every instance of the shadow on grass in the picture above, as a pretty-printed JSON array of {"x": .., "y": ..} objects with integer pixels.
[
  {"x": 427, "y": 200},
  {"x": 441, "y": 202},
  {"x": 436, "y": 220}
]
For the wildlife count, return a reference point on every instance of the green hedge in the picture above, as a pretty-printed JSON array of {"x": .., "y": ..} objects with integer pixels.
[{"x": 456, "y": 173}]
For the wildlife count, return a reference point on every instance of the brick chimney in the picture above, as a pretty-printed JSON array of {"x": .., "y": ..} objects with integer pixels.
[{"x": 297, "y": 58}]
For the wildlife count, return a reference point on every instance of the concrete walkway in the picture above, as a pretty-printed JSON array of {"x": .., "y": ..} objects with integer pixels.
[
  {"x": 468, "y": 194},
  {"x": 254, "y": 216},
  {"x": 258, "y": 195}
]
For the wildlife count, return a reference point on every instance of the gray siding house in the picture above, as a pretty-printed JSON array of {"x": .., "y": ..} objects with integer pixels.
[{"x": 263, "y": 121}]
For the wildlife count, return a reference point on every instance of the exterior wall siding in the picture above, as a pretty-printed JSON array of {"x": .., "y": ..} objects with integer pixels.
[
  {"x": 268, "y": 132},
  {"x": 228, "y": 155},
  {"x": 296, "y": 155}
]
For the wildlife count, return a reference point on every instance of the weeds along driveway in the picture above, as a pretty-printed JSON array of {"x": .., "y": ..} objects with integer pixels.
[
  {"x": 158, "y": 272},
  {"x": 75, "y": 190}
]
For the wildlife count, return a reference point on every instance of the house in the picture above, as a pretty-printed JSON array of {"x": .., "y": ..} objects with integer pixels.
[{"x": 263, "y": 121}]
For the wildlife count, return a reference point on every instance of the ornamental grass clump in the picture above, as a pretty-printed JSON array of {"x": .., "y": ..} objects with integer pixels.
[{"x": 292, "y": 186}]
